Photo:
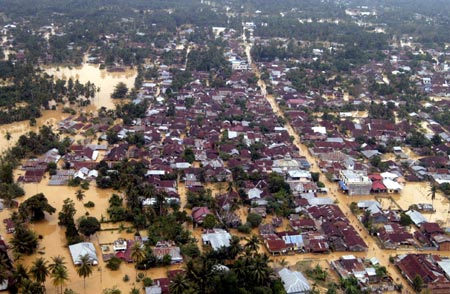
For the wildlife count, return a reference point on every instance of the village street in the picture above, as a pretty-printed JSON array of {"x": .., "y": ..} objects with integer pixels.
[{"x": 340, "y": 198}]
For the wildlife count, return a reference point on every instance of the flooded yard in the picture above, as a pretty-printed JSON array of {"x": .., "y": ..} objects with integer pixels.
[{"x": 53, "y": 240}]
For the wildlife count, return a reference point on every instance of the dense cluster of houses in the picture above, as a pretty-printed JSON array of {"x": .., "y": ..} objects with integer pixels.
[
  {"x": 234, "y": 127},
  {"x": 319, "y": 229},
  {"x": 365, "y": 271},
  {"x": 433, "y": 271}
]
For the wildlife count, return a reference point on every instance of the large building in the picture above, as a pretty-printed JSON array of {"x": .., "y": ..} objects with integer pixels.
[{"x": 355, "y": 182}]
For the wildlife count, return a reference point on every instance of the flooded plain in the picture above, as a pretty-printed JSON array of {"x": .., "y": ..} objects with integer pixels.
[
  {"x": 104, "y": 80},
  {"x": 53, "y": 238}
]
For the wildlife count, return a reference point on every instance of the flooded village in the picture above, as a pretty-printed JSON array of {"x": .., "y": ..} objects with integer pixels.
[{"x": 210, "y": 165}]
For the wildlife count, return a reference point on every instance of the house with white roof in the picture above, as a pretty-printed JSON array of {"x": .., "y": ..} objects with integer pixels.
[
  {"x": 294, "y": 282},
  {"x": 80, "y": 249},
  {"x": 217, "y": 238}
]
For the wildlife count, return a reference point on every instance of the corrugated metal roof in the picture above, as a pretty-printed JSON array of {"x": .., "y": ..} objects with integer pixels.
[{"x": 294, "y": 282}]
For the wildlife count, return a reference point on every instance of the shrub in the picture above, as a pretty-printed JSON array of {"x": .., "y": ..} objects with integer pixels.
[
  {"x": 245, "y": 228},
  {"x": 114, "y": 263},
  {"x": 85, "y": 185},
  {"x": 254, "y": 219},
  {"x": 191, "y": 250},
  {"x": 126, "y": 278},
  {"x": 147, "y": 282},
  {"x": 89, "y": 204}
]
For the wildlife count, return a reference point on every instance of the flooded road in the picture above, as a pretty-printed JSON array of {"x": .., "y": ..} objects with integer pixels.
[{"x": 341, "y": 199}]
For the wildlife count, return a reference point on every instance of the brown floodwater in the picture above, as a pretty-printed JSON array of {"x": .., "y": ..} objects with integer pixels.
[
  {"x": 53, "y": 238},
  {"x": 103, "y": 79}
]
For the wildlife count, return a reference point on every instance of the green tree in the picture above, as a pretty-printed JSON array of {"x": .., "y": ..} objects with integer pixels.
[
  {"x": 34, "y": 207},
  {"x": 417, "y": 283},
  {"x": 30, "y": 287},
  {"x": 252, "y": 243},
  {"x": 39, "y": 270},
  {"x": 89, "y": 225},
  {"x": 114, "y": 263},
  {"x": 60, "y": 276},
  {"x": 405, "y": 220},
  {"x": 79, "y": 194},
  {"x": 432, "y": 191},
  {"x": 57, "y": 261},
  {"x": 84, "y": 269},
  {"x": 24, "y": 240},
  {"x": 188, "y": 155},
  {"x": 254, "y": 219},
  {"x": 112, "y": 290},
  {"x": 20, "y": 274},
  {"x": 120, "y": 91},
  {"x": 178, "y": 284},
  {"x": 68, "y": 211},
  {"x": 209, "y": 221},
  {"x": 137, "y": 254},
  {"x": 381, "y": 271}
]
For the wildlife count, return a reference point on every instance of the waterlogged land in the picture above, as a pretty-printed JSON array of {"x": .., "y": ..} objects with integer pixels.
[
  {"x": 105, "y": 82},
  {"x": 53, "y": 240}
]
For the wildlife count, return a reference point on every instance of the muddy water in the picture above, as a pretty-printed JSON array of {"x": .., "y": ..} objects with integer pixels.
[
  {"x": 420, "y": 193},
  {"x": 16, "y": 129},
  {"x": 101, "y": 78},
  {"x": 106, "y": 81},
  {"x": 53, "y": 241},
  {"x": 341, "y": 199}
]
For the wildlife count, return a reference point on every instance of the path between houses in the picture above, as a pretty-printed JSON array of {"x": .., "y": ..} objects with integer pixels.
[{"x": 341, "y": 199}]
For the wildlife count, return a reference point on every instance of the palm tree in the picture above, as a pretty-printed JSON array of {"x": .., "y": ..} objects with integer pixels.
[
  {"x": 80, "y": 195},
  {"x": 57, "y": 261},
  {"x": 30, "y": 287},
  {"x": 8, "y": 137},
  {"x": 235, "y": 247},
  {"x": 24, "y": 240},
  {"x": 137, "y": 254},
  {"x": 259, "y": 270},
  {"x": 432, "y": 191},
  {"x": 60, "y": 276},
  {"x": 252, "y": 243},
  {"x": 20, "y": 274},
  {"x": 179, "y": 284},
  {"x": 39, "y": 270},
  {"x": 283, "y": 262},
  {"x": 85, "y": 268}
]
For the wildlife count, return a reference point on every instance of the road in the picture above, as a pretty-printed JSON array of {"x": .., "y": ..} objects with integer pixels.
[{"x": 341, "y": 199}]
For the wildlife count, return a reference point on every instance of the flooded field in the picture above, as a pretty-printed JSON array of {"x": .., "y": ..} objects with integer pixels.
[
  {"x": 53, "y": 240},
  {"x": 17, "y": 129},
  {"x": 103, "y": 79}
]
